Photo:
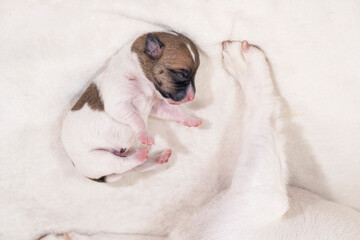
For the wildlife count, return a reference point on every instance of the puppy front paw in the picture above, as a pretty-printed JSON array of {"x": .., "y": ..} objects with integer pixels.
[
  {"x": 192, "y": 121},
  {"x": 145, "y": 138}
]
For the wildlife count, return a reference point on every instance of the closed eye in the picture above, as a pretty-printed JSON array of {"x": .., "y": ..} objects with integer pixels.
[
  {"x": 181, "y": 74},
  {"x": 184, "y": 72}
]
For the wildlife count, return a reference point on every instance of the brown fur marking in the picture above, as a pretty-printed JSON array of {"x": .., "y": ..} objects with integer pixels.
[
  {"x": 92, "y": 97},
  {"x": 175, "y": 56}
]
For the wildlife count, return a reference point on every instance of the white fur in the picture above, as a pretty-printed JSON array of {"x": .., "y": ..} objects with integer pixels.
[
  {"x": 309, "y": 217},
  {"x": 90, "y": 136},
  {"x": 257, "y": 196},
  {"x": 191, "y": 51},
  {"x": 256, "y": 206},
  {"x": 314, "y": 48},
  {"x": 51, "y": 49}
]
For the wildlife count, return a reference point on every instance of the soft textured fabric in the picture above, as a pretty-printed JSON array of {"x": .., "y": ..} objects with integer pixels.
[{"x": 51, "y": 50}]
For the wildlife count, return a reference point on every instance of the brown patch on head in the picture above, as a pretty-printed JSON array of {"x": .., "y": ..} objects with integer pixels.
[
  {"x": 178, "y": 57},
  {"x": 92, "y": 97}
]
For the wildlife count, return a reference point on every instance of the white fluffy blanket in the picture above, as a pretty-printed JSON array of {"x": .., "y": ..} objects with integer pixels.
[{"x": 51, "y": 49}]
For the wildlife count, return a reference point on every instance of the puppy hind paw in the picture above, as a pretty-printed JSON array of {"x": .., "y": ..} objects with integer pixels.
[
  {"x": 142, "y": 154},
  {"x": 164, "y": 157},
  {"x": 145, "y": 138}
]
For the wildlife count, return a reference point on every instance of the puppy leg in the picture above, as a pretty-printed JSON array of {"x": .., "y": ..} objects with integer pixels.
[
  {"x": 164, "y": 157},
  {"x": 151, "y": 163},
  {"x": 163, "y": 110},
  {"x": 154, "y": 161},
  {"x": 103, "y": 163},
  {"x": 127, "y": 114}
]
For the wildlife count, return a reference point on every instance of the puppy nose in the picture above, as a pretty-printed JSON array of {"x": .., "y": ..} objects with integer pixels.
[{"x": 190, "y": 94}]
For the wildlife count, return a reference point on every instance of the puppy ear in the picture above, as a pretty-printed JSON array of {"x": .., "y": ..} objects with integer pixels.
[{"x": 154, "y": 47}]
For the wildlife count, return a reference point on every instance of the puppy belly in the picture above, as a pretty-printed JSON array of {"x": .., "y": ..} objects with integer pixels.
[{"x": 86, "y": 131}]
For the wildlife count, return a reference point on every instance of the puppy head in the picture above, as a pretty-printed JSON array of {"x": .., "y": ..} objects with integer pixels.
[{"x": 170, "y": 62}]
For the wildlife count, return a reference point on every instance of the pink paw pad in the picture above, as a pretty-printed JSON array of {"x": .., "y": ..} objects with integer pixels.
[
  {"x": 193, "y": 123},
  {"x": 146, "y": 139},
  {"x": 165, "y": 156},
  {"x": 142, "y": 154}
]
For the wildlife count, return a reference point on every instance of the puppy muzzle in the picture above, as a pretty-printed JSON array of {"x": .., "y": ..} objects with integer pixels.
[{"x": 190, "y": 95}]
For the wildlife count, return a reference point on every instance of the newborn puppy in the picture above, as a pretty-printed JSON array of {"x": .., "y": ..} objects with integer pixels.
[{"x": 100, "y": 132}]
